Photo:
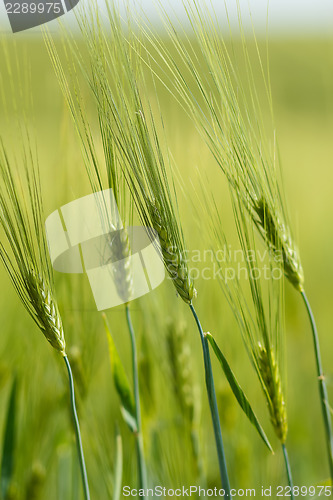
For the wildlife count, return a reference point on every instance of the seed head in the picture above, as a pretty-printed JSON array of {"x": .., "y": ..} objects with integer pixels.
[
  {"x": 278, "y": 238},
  {"x": 172, "y": 257},
  {"x": 181, "y": 368},
  {"x": 46, "y": 313},
  {"x": 122, "y": 274},
  {"x": 270, "y": 374}
]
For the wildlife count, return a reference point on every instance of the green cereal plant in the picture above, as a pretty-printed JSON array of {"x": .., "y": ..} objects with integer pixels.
[
  {"x": 201, "y": 74},
  {"x": 258, "y": 308},
  {"x": 24, "y": 253}
]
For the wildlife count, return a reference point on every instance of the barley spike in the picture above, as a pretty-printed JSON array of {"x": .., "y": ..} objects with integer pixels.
[
  {"x": 122, "y": 275},
  {"x": 277, "y": 236},
  {"x": 270, "y": 374},
  {"x": 47, "y": 315},
  {"x": 172, "y": 258}
]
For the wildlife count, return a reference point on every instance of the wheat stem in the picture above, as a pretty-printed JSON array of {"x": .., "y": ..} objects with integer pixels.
[
  {"x": 288, "y": 469},
  {"x": 213, "y": 408},
  {"x": 322, "y": 385},
  {"x": 77, "y": 432},
  {"x": 138, "y": 435}
]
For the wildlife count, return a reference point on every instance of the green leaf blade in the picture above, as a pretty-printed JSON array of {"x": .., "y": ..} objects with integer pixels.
[{"x": 238, "y": 391}]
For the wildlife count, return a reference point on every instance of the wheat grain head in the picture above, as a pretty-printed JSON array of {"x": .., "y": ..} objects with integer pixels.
[
  {"x": 23, "y": 249},
  {"x": 130, "y": 132}
]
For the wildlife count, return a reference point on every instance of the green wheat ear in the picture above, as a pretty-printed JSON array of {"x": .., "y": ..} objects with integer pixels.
[
  {"x": 279, "y": 240},
  {"x": 131, "y": 136},
  {"x": 201, "y": 73},
  {"x": 270, "y": 374},
  {"x": 258, "y": 308},
  {"x": 47, "y": 314},
  {"x": 24, "y": 253},
  {"x": 23, "y": 250},
  {"x": 172, "y": 257},
  {"x": 179, "y": 355},
  {"x": 121, "y": 252}
]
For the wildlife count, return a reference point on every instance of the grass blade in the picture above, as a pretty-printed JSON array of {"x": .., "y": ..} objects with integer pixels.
[
  {"x": 237, "y": 391},
  {"x": 7, "y": 463}
]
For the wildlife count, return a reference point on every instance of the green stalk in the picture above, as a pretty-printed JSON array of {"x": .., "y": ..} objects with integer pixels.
[
  {"x": 213, "y": 408},
  {"x": 288, "y": 469},
  {"x": 138, "y": 435},
  {"x": 322, "y": 386},
  {"x": 77, "y": 432}
]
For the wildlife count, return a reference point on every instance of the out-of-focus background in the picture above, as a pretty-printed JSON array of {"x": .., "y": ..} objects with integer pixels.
[
  {"x": 296, "y": 17},
  {"x": 301, "y": 71}
]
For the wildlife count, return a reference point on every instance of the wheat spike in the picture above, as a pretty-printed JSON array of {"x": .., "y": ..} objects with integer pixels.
[
  {"x": 121, "y": 251},
  {"x": 270, "y": 374},
  {"x": 227, "y": 111},
  {"x": 132, "y": 139},
  {"x": 23, "y": 250},
  {"x": 278, "y": 238},
  {"x": 172, "y": 257},
  {"x": 47, "y": 315},
  {"x": 181, "y": 367}
]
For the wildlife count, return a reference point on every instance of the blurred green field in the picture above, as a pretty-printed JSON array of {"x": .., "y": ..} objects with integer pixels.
[{"x": 302, "y": 82}]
